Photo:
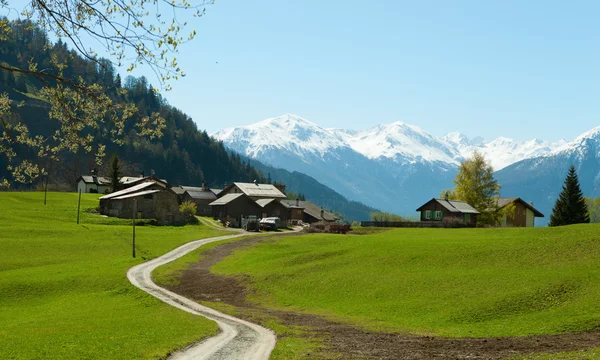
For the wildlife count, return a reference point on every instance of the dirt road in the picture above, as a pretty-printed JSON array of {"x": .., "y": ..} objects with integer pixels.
[{"x": 238, "y": 339}]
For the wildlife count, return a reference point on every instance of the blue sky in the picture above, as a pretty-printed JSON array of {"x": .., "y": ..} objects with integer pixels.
[{"x": 520, "y": 69}]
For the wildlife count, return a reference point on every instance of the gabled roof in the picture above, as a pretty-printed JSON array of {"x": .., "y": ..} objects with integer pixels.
[
  {"x": 130, "y": 190},
  {"x": 454, "y": 206},
  {"x": 216, "y": 191},
  {"x": 311, "y": 209},
  {"x": 264, "y": 202},
  {"x": 91, "y": 179},
  {"x": 502, "y": 202},
  {"x": 136, "y": 194},
  {"x": 201, "y": 194},
  {"x": 259, "y": 190},
  {"x": 129, "y": 180},
  {"x": 225, "y": 199}
]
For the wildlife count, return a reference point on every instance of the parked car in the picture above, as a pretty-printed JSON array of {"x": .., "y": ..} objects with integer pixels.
[
  {"x": 252, "y": 224},
  {"x": 270, "y": 223}
]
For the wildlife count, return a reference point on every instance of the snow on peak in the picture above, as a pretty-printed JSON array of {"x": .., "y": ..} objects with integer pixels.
[
  {"x": 285, "y": 132},
  {"x": 398, "y": 141},
  {"x": 401, "y": 141}
]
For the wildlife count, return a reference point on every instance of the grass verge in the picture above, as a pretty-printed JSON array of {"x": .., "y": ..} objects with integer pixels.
[
  {"x": 445, "y": 282},
  {"x": 64, "y": 289}
]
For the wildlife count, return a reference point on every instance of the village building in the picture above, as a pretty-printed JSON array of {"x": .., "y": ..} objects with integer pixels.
[
  {"x": 524, "y": 214},
  {"x": 254, "y": 190},
  {"x": 102, "y": 185},
  {"x": 436, "y": 210},
  {"x": 310, "y": 213},
  {"x": 274, "y": 208},
  {"x": 201, "y": 196},
  {"x": 152, "y": 201},
  {"x": 93, "y": 184},
  {"x": 231, "y": 208}
]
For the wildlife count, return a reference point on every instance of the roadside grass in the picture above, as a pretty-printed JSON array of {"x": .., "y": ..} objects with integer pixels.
[
  {"x": 444, "y": 282},
  {"x": 64, "y": 291}
]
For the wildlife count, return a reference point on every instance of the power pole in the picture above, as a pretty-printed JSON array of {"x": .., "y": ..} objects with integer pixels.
[
  {"x": 78, "y": 206},
  {"x": 46, "y": 189},
  {"x": 133, "y": 223}
]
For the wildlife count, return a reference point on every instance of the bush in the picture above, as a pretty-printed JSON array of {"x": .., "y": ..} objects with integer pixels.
[
  {"x": 453, "y": 222},
  {"x": 188, "y": 210}
]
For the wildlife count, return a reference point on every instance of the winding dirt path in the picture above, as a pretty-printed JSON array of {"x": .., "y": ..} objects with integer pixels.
[{"x": 238, "y": 339}]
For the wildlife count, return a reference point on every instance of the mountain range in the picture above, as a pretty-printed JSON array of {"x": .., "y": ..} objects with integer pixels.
[{"x": 396, "y": 167}]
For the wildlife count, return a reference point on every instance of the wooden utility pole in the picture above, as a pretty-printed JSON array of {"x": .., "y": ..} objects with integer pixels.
[
  {"x": 46, "y": 189},
  {"x": 133, "y": 223},
  {"x": 78, "y": 206}
]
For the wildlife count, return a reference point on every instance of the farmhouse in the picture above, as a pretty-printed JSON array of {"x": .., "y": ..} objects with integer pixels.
[
  {"x": 93, "y": 184},
  {"x": 201, "y": 196},
  {"x": 524, "y": 215},
  {"x": 311, "y": 213},
  {"x": 436, "y": 210},
  {"x": 231, "y": 208},
  {"x": 101, "y": 184},
  {"x": 154, "y": 201},
  {"x": 254, "y": 190}
]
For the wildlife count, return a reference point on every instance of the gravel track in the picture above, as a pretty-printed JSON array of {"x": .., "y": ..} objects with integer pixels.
[{"x": 238, "y": 339}]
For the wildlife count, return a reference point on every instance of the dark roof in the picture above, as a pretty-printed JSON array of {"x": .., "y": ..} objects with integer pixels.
[
  {"x": 92, "y": 179},
  {"x": 502, "y": 202},
  {"x": 454, "y": 206},
  {"x": 225, "y": 199},
  {"x": 201, "y": 194},
  {"x": 311, "y": 209}
]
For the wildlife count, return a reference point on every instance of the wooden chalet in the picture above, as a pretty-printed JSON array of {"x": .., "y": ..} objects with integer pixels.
[
  {"x": 311, "y": 213},
  {"x": 154, "y": 201},
  {"x": 436, "y": 210},
  {"x": 524, "y": 215}
]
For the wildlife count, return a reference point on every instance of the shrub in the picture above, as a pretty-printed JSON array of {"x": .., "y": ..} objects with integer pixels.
[
  {"x": 188, "y": 210},
  {"x": 453, "y": 222}
]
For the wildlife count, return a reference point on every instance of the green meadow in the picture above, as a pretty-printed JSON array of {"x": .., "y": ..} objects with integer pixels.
[
  {"x": 63, "y": 287},
  {"x": 444, "y": 282}
]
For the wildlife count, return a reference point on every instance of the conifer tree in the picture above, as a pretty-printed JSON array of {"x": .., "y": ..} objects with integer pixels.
[
  {"x": 570, "y": 207},
  {"x": 115, "y": 173}
]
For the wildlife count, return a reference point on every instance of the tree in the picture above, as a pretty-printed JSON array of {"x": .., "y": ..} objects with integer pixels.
[
  {"x": 570, "y": 207},
  {"x": 593, "y": 205},
  {"x": 475, "y": 185},
  {"x": 380, "y": 216},
  {"x": 115, "y": 173},
  {"x": 130, "y": 32}
]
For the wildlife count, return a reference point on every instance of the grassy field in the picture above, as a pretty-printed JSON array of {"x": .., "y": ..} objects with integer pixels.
[
  {"x": 63, "y": 287},
  {"x": 459, "y": 282}
]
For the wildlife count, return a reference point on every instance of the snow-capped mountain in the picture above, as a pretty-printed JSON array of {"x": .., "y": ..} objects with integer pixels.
[
  {"x": 502, "y": 151},
  {"x": 390, "y": 166}
]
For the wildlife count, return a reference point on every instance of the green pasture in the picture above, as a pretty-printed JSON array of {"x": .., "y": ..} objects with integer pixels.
[
  {"x": 63, "y": 287},
  {"x": 444, "y": 282}
]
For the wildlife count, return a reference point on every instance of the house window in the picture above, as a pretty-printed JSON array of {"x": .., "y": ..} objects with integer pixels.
[
  {"x": 148, "y": 196},
  {"x": 438, "y": 215},
  {"x": 467, "y": 217},
  {"x": 427, "y": 214}
]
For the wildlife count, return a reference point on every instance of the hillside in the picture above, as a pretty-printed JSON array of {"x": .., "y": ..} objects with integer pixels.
[
  {"x": 64, "y": 290},
  {"x": 183, "y": 155}
]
